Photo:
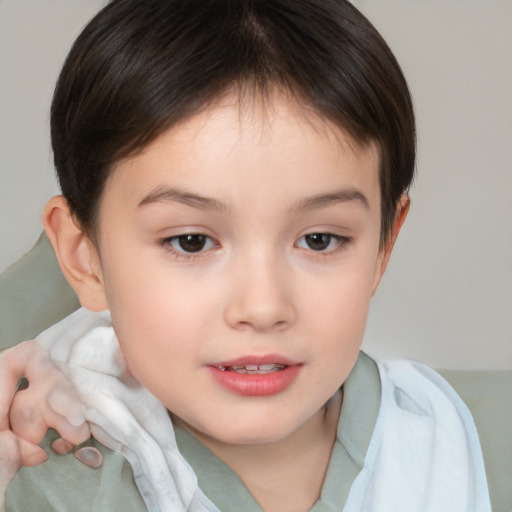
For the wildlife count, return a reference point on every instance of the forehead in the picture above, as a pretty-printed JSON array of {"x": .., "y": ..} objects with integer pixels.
[{"x": 237, "y": 148}]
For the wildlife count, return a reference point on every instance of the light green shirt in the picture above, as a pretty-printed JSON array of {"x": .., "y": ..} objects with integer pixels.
[
  {"x": 64, "y": 484},
  {"x": 35, "y": 295}
]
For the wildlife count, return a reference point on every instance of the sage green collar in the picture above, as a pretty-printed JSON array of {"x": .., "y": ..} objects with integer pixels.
[{"x": 361, "y": 401}]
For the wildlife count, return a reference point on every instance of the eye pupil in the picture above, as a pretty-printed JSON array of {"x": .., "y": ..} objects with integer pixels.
[
  {"x": 318, "y": 241},
  {"x": 192, "y": 243}
]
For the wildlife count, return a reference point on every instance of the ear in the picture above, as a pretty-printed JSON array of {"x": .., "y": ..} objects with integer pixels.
[
  {"x": 77, "y": 255},
  {"x": 385, "y": 252}
]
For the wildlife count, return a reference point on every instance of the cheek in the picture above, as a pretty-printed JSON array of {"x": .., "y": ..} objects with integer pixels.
[
  {"x": 158, "y": 318},
  {"x": 147, "y": 291},
  {"x": 166, "y": 324},
  {"x": 338, "y": 311},
  {"x": 343, "y": 295}
]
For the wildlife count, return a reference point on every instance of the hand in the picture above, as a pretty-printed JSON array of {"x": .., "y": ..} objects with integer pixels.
[
  {"x": 50, "y": 400},
  {"x": 15, "y": 452},
  {"x": 45, "y": 399}
]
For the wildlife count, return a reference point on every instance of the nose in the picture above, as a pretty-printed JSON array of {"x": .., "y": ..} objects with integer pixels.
[{"x": 261, "y": 297}]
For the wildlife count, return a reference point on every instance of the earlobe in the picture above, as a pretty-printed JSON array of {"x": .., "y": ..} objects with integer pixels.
[
  {"x": 385, "y": 252},
  {"x": 77, "y": 256}
]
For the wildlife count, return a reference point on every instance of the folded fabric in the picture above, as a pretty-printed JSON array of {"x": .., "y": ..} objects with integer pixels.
[
  {"x": 424, "y": 455},
  {"x": 124, "y": 416}
]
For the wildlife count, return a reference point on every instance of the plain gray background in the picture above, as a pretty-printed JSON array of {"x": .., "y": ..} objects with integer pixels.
[{"x": 447, "y": 296}]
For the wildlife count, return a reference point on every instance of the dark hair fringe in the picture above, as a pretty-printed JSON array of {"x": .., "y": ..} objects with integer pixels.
[{"x": 141, "y": 66}]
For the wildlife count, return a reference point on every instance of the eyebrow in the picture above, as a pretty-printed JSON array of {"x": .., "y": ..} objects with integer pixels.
[
  {"x": 331, "y": 198},
  {"x": 170, "y": 195}
]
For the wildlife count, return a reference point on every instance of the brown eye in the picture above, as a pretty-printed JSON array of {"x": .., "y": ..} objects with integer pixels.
[
  {"x": 189, "y": 243},
  {"x": 192, "y": 242},
  {"x": 323, "y": 242},
  {"x": 318, "y": 241},
  {"x": 188, "y": 246}
]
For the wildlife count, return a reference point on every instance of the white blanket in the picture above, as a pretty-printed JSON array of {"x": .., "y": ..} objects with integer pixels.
[
  {"x": 123, "y": 415},
  {"x": 424, "y": 455}
]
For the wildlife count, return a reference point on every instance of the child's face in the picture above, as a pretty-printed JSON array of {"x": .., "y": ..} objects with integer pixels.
[{"x": 243, "y": 238}]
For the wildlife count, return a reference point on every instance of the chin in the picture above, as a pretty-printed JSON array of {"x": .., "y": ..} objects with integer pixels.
[
  {"x": 250, "y": 438},
  {"x": 257, "y": 433}
]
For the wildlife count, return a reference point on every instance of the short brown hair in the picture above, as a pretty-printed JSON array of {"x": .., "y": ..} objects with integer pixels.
[{"x": 140, "y": 66}]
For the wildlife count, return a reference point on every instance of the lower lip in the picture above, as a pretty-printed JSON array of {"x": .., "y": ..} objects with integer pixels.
[{"x": 256, "y": 384}]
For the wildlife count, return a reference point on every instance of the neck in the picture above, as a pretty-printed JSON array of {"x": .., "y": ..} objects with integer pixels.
[{"x": 288, "y": 471}]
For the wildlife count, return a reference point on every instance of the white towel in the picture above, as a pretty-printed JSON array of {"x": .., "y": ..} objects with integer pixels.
[
  {"x": 123, "y": 415},
  {"x": 424, "y": 455}
]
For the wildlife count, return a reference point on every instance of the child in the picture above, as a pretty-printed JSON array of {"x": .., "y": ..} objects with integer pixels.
[{"x": 234, "y": 176}]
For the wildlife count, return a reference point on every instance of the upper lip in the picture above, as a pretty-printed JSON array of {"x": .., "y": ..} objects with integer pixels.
[{"x": 257, "y": 359}]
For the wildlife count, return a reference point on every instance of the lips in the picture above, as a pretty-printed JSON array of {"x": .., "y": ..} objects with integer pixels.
[{"x": 256, "y": 375}]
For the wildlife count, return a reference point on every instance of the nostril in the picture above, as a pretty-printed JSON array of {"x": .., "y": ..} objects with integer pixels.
[
  {"x": 281, "y": 325},
  {"x": 244, "y": 326},
  {"x": 259, "y": 311}
]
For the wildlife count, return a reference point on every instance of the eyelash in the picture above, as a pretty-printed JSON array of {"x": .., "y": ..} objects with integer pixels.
[
  {"x": 340, "y": 242},
  {"x": 180, "y": 253}
]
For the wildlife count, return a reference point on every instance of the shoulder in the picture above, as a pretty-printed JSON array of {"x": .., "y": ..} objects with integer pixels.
[
  {"x": 488, "y": 395},
  {"x": 33, "y": 295},
  {"x": 63, "y": 483},
  {"x": 424, "y": 453}
]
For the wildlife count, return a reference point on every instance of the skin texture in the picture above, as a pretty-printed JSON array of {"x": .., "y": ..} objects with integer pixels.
[
  {"x": 257, "y": 183},
  {"x": 50, "y": 402},
  {"x": 15, "y": 452},
  {"x": 47, "y": 399}
]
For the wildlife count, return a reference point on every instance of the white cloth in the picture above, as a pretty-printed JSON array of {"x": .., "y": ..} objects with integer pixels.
[
  {"x": 123, "y": 415},
  {"x": 424, "y": 455}
]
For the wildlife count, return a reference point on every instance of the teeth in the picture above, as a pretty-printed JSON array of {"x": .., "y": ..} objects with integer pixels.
[
  {"x": 254, "y": 368},
  {"x": 266, "y": 367}
]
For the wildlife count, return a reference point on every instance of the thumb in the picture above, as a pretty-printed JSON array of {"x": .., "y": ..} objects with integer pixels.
[
  {"x": 31, "y": 454},
  {"x": 14, "y": 452}
]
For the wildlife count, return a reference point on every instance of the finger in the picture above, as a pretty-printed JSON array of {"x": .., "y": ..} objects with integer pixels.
[
  {"x": 31, "y": 422},
  {"x": 65, "y": 401},
  {"x": 62, "y": 447},
  {"x": 13, "y": 363},
  {"x": 71, "y": 433},
  {"x": 10, "y": 461},
  {"x": 9, "y": 448},
  {"x": 31, "y": 454},
  {"x": 85, "y": 452},
  {"x": 27, "y": 420},
  {"x": 15, "y": 452},
  {"x": 66, "y": 414}
]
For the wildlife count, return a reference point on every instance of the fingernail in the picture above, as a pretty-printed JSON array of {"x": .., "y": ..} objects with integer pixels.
[{"x": 89, "y": 455}]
